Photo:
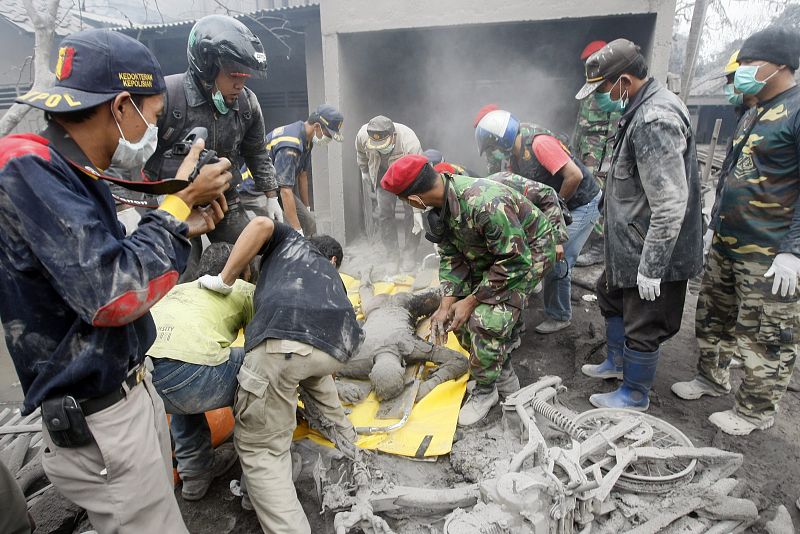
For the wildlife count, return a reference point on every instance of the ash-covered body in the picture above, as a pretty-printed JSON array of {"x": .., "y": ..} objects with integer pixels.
[{"x": 391, "y": 343}]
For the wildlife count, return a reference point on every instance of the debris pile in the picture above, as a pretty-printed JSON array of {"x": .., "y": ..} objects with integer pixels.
[{"x": 602, "y": 471}]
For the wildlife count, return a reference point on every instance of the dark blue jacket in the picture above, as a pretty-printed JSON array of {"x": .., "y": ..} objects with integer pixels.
[
  {"x": 301, "y": 297},
  {"x": 75, "y": 291}
]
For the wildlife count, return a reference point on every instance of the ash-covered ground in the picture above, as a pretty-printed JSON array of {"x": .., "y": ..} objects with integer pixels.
[{"x": 771, "y": 469}]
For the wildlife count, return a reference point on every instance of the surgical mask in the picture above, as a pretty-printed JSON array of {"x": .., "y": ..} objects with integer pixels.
[
  {"x": 387, "y": 149},
  {"x": 737, "y": 99},
  {"x": 131, "y": 156},
  {"x": 607, "y": 104},
  {"x": 321, "y": 141},
  {"x": 425, "y": 207},
  {"x": 498, "y": 155},
  {"x": 745, "y": 79},
  {"x": 219, "y": 102}
]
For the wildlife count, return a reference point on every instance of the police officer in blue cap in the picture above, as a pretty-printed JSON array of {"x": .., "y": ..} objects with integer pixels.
[
  {"x": 290, "y": 147},
  {"x": 76, "y": 291}
]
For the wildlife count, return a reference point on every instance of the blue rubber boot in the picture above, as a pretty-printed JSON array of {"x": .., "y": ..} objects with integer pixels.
[
  {"x": 639, "y": 373},
  {"x": 615, "y": 340}
]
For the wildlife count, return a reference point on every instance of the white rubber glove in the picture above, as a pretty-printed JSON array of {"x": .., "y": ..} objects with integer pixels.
[
  {"x": 417, "y": 228},
  {"x": 785, "y": 268},
  {"x": 707, "y": 240},
  {"x": 274, "y": 210},
  {"x": 649, "y": 288},
  {"x": 214, "y": 283}
]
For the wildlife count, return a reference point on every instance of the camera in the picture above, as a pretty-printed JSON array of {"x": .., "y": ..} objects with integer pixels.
[{"x": 182, "y": 148}]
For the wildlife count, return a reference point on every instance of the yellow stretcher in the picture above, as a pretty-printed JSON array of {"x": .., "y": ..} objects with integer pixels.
[{"x": 432, "y": 422}]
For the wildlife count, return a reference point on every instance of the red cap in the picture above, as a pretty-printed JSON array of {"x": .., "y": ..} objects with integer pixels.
[
  {"x": 488, "y": 108},
  {"x": 444, "y": 167},
  {"x": 402, "y": 173},
  {"x": 591, "y": 48}
]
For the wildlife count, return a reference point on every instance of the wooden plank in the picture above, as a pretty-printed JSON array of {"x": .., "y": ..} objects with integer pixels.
[{"x": 20, "y": 429}]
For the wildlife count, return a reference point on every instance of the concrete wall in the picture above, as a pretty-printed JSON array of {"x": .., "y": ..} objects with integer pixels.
[{"x": 432, "y": 65}]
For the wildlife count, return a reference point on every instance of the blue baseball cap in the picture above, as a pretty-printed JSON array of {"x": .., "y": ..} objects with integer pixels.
[
  {"x": 93, "y": 67},
  {"x": 330, "y": 118}
]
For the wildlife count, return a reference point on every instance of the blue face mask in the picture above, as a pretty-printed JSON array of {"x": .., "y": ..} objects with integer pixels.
[
  {"x": 607, "y": 104},
  {"x": 219, "y": 102},
  {"x": 745, "y": 79},
  {"x": 737, "y": 99}
]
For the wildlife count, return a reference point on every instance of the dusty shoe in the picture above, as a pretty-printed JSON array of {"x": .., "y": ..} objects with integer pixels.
[
  {"x": 732, "y": 423},
  {"x": 551, "y": 326},
  {"x": 593, "y": 256},
  {"x": 195, "y": 488},
  {"x": 508, "y": 382},
  {"x": 478, "y": 405},
  {"x": 694, "y": 389}
]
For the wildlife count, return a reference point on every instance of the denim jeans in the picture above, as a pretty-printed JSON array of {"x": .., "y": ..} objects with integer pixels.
[
  {"x": 558, "y": 282},
  {"x": 189, "y": 391}
]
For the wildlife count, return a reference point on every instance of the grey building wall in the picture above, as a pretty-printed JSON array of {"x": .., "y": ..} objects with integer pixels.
[{"x": 431, "y": 65}]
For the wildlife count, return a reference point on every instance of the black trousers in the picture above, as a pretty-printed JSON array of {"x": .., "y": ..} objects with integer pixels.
[{"x": 648, "y": 324}]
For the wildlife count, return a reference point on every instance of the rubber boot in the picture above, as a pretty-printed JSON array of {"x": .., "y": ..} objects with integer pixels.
[
  {"x": 638, "y": 375},
  {"x": 615, "y": 340}
]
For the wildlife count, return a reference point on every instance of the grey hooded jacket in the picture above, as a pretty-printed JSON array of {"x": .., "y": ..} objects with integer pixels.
[{"x": 653, "y": 220}]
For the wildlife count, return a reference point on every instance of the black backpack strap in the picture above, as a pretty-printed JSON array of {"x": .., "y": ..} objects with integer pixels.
[{"x": 174, "y": 118}]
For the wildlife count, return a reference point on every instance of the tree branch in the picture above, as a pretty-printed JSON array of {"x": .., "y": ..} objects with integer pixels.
[{"x": 44, "y": 25}]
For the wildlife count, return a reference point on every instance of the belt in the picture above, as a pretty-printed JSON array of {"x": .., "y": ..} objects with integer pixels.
[{"x": 135, "y": 377}]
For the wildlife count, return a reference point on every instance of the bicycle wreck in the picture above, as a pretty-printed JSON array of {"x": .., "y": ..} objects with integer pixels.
[{"x": 605, "y": 471}]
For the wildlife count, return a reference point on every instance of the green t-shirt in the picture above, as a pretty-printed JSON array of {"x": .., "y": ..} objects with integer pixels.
[{"x": 196, "y": 325}]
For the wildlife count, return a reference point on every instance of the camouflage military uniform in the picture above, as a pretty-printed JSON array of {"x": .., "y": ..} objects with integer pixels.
[
  {"x": 540, "y": 195},
  {"x": 591, "y": 135},
  {"x": 497, "y": 247},
  {"x": 757, "y": 220}
]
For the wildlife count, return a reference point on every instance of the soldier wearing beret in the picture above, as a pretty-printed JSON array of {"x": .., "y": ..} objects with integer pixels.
[{"x": 495, "y": 248}]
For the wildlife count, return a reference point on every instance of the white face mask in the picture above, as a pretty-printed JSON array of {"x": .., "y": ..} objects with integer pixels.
[
  {"x": 132, "y": 156},
  {"x": 321, "y": 141},
  {"x": 385, "y": 151}
]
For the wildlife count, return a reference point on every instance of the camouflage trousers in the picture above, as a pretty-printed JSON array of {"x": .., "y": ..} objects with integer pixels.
[
  {"x": 489, "y": 335},
  {"x": 736, "y": 311}
]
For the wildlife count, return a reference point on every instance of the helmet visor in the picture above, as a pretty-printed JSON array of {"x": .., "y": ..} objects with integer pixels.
[{"x": 236, "y": 69}]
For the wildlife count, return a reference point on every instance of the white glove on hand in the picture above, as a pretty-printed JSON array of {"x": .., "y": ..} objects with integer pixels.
[
  {"x": 785, "y": 268},
  {"x": 417, "y": 228},
  {"x": 274, "y": 210},
  {"x": 649, "y": 288},
  {"x": 707, "y": 240},
  {"x": 214, "y": 283}
]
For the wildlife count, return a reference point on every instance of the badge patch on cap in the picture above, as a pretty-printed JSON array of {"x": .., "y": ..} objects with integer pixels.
[{"x": 64, "y": 64}]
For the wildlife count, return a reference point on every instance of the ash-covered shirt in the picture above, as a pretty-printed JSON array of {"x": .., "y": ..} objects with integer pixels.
[
  {"x": 759, "y": 214},
  {"x": 75, "y": 290},
  {"x": 301, "y": 297},
  {"x": 196, "y": 325}
]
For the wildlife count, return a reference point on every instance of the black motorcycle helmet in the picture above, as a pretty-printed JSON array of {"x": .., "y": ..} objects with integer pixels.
[{"x": 219, "y": 42}]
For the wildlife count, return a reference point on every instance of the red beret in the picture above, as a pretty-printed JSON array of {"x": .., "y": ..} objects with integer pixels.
[
  {"x": 488, "y": 108},
  {"x": 402, "y": 173},
  {"x": 445, "y": 167},
  {"x": 591, "y": 48}
]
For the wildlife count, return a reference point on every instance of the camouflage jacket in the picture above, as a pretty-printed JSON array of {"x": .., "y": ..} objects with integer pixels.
[
  {"x": 542, "y": 196},
  {"x": 498, "y": 245},
  {"x": 759, "y": 213},
  {"x": 592, "y": 132}
]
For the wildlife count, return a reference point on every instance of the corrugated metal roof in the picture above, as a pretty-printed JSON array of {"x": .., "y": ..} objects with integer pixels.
[
  {"x": 308, "y": 6},
  {"x": 70, "y": 18}
]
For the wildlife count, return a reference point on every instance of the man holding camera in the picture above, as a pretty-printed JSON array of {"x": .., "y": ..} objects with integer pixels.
[{"x": 76, "y": 291}]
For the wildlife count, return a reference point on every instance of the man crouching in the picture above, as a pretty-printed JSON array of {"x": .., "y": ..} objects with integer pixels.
[{"x": 304, "y": 329}]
